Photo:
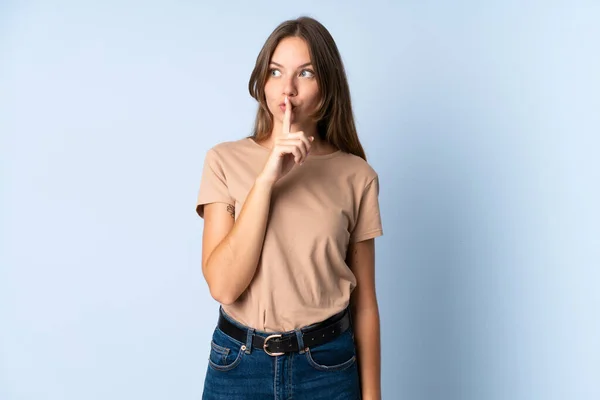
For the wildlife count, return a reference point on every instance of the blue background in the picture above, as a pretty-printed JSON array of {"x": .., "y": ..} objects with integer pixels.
[{"x": 482, "y": 119}]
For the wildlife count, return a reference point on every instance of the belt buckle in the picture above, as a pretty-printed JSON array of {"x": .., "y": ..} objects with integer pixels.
[{"x": 265, "y": 346}]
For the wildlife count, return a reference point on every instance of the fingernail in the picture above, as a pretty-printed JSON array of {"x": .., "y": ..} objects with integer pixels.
[{"x": 312, "y": 138}]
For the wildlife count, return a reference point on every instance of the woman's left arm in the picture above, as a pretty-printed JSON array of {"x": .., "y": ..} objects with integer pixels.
[{"x": 365, "y": 316}]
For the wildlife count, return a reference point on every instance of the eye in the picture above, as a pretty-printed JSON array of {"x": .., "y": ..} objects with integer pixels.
[
  {"x": 274, "y": 72},
  {"x": 307, "y": 73}
]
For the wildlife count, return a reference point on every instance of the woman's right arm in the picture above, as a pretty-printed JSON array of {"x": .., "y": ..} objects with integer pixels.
[{"x": 231, "y": 249}]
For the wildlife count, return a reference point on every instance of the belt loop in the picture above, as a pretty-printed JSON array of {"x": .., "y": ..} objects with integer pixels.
[
  {"x": 249, "y": 338},
  {"x": 299, "y": 334}
]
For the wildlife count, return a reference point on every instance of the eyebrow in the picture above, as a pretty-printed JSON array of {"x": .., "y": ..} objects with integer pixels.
[{"x": 302, "y": 66}]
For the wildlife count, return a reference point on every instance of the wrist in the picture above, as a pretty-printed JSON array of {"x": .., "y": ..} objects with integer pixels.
[
  {"x": 371, "y": 394},
  {"x": 264, "y": 182},
  {"x": 370, "y": 397}
]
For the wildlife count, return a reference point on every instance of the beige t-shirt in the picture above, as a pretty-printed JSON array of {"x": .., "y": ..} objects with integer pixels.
[{"x": 317, "y": 209}]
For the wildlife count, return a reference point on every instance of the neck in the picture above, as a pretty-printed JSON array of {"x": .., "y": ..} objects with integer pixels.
[{"x": 308, "y": 131}]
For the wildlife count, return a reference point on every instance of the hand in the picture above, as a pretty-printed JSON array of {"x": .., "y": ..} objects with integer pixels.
[{"x": 288, "y": 150}]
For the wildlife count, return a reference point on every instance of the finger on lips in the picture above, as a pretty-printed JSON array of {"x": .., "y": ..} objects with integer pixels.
[
  {"x": 306, "y": 142},
  {"x": 287, "y": 116}
]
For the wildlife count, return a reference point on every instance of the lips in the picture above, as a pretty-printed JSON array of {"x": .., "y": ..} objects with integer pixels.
[{"x": 282, "y": 105}]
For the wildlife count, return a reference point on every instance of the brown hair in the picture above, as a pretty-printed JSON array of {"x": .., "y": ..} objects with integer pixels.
[{"x": 335, "y": 120}]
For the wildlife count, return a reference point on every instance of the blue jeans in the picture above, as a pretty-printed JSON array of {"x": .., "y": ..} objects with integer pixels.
[{"x": 237, "y": 371}]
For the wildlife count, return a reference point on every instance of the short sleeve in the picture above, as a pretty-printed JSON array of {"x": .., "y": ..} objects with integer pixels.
[
  {"x": 368, "y": 223},
  {"x": 213, "y": 185}
]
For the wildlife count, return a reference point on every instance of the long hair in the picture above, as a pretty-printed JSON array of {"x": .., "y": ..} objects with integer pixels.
[{"x": 334, "y": 116}]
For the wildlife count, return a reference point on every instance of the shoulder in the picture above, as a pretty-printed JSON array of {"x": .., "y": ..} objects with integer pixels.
[
  {"x": 229, "y": 151},
  {"x": 358, "y": 168},
  {"x": 232, "y": 146}
]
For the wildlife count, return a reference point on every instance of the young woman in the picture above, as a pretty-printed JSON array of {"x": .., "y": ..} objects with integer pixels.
[{"x": 290, "y": 216}]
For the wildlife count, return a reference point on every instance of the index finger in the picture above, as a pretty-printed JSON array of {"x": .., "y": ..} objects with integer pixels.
[{"x": 287, "y": 116}]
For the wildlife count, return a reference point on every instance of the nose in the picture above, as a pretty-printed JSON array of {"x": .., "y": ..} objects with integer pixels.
[{"x": 289, "y": 86}]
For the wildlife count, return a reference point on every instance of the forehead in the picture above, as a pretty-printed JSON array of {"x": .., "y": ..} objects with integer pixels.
[{"x": 291, "y": 51}]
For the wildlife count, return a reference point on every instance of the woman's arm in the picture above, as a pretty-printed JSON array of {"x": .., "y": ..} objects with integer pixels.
[
  {"x": 231, "y": 248},
  {"x": 365, "y": 315}
]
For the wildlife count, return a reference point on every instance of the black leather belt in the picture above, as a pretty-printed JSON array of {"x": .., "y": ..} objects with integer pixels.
[{"x": 279, "y": 344}]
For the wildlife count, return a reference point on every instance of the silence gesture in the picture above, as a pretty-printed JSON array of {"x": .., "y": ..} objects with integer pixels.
[{"x": 290, "y": 149}]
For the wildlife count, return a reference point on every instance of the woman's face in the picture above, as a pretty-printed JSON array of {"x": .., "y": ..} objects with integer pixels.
[{"x": 292, "y": 74}]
